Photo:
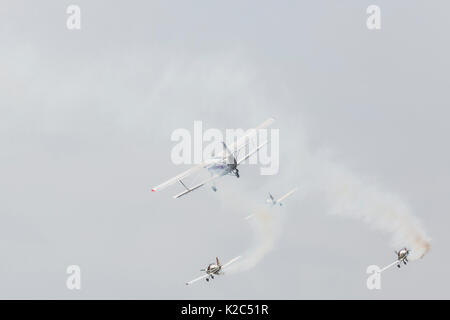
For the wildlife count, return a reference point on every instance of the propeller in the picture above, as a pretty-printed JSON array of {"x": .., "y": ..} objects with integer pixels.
[{"x": 230, "y": 154}]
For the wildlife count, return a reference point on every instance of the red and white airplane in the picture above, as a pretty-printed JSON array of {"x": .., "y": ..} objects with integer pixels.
[
  {"x": 213, "y": 269},
  {"x": 402, "y": 256}
]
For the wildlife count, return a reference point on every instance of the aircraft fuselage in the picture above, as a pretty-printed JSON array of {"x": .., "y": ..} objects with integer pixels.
[{"x": 213, "y": 269}]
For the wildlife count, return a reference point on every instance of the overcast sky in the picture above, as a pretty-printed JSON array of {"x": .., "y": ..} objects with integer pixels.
[{"x": 86, "y": 118}]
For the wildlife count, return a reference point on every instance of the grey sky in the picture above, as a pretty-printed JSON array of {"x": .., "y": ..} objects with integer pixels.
[{"x": 85, "y": 124}]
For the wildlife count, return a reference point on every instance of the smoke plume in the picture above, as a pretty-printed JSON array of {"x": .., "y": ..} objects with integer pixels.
[
  {"x": 349, "y": 195},
  {"x": 266, "y": 228}
]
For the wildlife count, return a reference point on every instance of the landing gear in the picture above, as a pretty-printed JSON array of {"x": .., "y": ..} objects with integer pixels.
[
  {"x": 207, "y": 279},
  {"x": 212, "y": 277},
  {"x": 398, "y": 266},
  {"x": 237, "y": 173},
  {"x": 214, "y": 188}
]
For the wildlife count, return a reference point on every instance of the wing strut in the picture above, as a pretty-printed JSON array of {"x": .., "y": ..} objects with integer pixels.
[
  {"x": 195, "y": 187},
  {"x": 184, "y": 185}
]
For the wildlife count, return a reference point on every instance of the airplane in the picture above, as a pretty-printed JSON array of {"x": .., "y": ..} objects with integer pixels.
[
  {"x": 213, "y": 270},
  {"x": 271, "y": 201},
  {"x": 402, "y": 256},
  {"x": 226, "y": 163}
]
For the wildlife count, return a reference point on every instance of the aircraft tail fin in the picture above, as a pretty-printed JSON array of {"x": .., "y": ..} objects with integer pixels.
[
  {"x": 231, "y": 158},
  {"x": 217, "y": 261},
  {"x": 270, "y": 199}
]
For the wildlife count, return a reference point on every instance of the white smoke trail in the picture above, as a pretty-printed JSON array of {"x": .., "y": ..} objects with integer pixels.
[
  {"x": 265, "y": 224},
  {"x": 348, "y": 195},
  {"x": 266, "y": 227}
]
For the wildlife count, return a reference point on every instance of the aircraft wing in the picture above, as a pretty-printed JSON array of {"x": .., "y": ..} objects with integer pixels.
[
  {"x": 250, "y": 133},
  {"x": 214, "y": 177},
  {"x": 240, "y": 143},
  {"x": 197, "y": 279},
  {"x": 252, "y": 152},
  {"x": 230, "y": 262},
  {"x": 178, "y": 177},
  {"x": 390, "y": 265},
  {"x": 287, "y": 195}
]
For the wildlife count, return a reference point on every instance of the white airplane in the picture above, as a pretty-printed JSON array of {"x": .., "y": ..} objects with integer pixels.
[
  {"x": 271, "y": 201},
  {"x": 222, "y": 164},
  {"x": 213, "y": 270},
  {"x": 402, "y": 256}
]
